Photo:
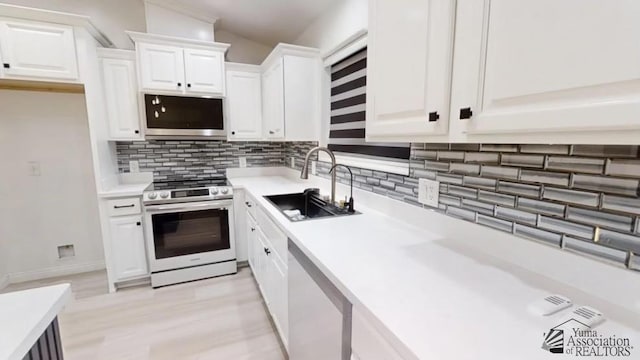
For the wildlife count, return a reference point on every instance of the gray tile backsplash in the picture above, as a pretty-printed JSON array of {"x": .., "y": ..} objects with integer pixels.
[{"x": 583, "y": 198}]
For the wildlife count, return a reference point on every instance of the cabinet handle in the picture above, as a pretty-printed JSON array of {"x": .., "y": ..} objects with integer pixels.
[
  {"x": 188, "y": 85},
  {"x": 267, "y": 251},
  {"x": 137, "y": 131},
  {"x": 7, "y": 66},
  {"x": 247, "y": 203},
  {"x": 271, "y": 132},
  {"x": 434, "y": 116},
  {"x": 253, "y": 229},
  {"x": 138, "y": 223},
  {"x": 179, "y": 84},
  {"x": 123, "y": 206},
  {"x": 233, "y": 133},
  {"x": 465, "y": 113}
]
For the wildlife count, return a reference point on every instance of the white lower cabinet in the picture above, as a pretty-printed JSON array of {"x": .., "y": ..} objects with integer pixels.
[
  {"x": 129, "y": 259},
  {"x": 367, "y": 343}
]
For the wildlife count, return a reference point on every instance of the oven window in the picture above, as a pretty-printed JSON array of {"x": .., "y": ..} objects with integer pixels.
[
  {"x": 192, "y": 232},
  {"x": 178, "y": 112}
]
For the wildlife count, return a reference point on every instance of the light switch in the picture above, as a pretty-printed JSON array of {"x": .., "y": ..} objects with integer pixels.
[
  {"x": 34, "y": 168},
  {"x": 429, "y": 192},
  {"x": 243, "y": 162},
  {"x": 134, "y": 166}
]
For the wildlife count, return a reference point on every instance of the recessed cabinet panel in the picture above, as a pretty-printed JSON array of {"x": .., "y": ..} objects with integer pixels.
[
  {"x": 37, "y": 50},
  {"x": 161, "y": 67},
  {"x": 121, "y": 96},
  {"x": 244, "y": 105},
  {"x": 409, "y": 67},
  {"x": 204, "y": 71},
  {"x": 128, "y": 248},
  {"x": 545, "y": 65}
]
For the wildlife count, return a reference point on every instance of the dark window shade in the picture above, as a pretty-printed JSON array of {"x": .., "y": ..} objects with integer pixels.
[{"x": 348, "y": 103}]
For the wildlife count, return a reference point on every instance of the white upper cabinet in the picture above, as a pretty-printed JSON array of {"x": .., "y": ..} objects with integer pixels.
[
  {"x": 409, "y": 68},
  {"x": 547, "y": 66},
  {"x": 244, "y": 102},
  {"x": 273, "y": 101},
  {"x": 291, "y": 98},
  {"x": 121, "y": 93},
  {"x": 161, "y": 67},
  {"x": 39, "y": 51},
  {"x": 204, "y": 71},
  {"x": 180, "y": 66}
]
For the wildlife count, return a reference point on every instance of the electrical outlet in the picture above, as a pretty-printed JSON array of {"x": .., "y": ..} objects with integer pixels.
[
  {"x": 134, "y": 166},
  {"x": 429, "y": 192},
  {"x": 243, "y": 162},
  {"x": 293, "y": 162},
  {"x": 313, "y": 168},
  {"x": 34, "y": 168}
]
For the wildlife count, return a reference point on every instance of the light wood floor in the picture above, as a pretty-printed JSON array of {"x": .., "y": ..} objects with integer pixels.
[{"x": 220, "y": 318}]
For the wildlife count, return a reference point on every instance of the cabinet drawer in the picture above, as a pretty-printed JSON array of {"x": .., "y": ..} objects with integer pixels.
[
  {"x": 119, "y": 207},
  {"x": 277, "y": 238},
  {"x": 250, "y": 204}
]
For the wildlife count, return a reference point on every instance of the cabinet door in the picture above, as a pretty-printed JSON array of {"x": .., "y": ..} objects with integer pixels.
[
  {"x": 273, "y": 101},
  {"x": 409, "y": 68},
  {"x": 127, "y": 247},
  {"x": 244, "y": 105},
  {"x": 161, "y": 67},
  {"x": 301, "y": 84},
  {"x": 261, "y": 261},
  {"x": 37, "y": 50},
  {"x": 547, "y": 66},
  {"x": 121, "y": 97},
  {"x": 204, "y": 71},
  {"x": 367, "y": 342},
  {"x": 252, "y": 241},
  {"x": 278, "y": 295}
]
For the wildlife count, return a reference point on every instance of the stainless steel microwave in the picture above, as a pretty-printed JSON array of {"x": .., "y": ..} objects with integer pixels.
[{"x": 178, "y": 117}]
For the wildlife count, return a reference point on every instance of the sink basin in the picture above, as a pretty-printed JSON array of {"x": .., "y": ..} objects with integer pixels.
[{"x": 309, "y": 203}]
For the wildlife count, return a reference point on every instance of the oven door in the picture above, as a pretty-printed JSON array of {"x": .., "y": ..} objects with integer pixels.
[{"x": 189, "y": 234}]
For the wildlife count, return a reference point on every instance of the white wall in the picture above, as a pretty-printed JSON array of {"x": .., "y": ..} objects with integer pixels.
[
  {"x": 39, "y": 213},
  {"x": 336, "y": 25},
  {"x": 243, "y": 50},
  {"x": 163, "y": 21},
  {"x": 112, "y": 17}
]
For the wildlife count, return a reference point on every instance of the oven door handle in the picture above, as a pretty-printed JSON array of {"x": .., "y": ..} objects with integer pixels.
[{"x": 189, "y": 207}]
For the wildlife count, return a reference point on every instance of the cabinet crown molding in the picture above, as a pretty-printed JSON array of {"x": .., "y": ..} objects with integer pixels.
[
  {"x": 108, "y": 53},
  {"x": 176, "y": 41},
  {"x": 288, "y": 49}
]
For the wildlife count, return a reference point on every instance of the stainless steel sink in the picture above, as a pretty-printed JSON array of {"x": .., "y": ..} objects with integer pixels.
[{"x": 309, "y": 203}]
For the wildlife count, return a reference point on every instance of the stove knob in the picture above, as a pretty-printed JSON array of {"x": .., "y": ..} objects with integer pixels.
[
  {"x": 214, "y": 191},
  {"x": 164, "y": 194},
  {"x": 152, "y": 195},
  {"x": 225, "y": 190}
]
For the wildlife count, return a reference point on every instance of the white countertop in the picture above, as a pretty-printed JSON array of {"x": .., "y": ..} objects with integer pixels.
[
  {"x": 25, "y": 315},
  {"x": 122, "y": 190},
  {"x": 450, "y": 297}
]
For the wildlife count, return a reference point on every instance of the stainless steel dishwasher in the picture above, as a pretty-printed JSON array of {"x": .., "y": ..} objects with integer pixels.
[{"x": 319, "y": 315}]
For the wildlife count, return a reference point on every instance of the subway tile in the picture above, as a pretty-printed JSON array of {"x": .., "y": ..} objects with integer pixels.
[
  {"x": 427, "y": 174},
  {"x": 575, "y": 164},
  {"x": 463, "y": 191},
  {"x": 416, "y": 164},
  {"x": 545, "y": 149},
  {"x": 599, "y": 218},
  {"x": 606, "y": 184},
  {"x": 634, "y": 262},
  {"x": 449, "y": 200},
  {"x": 484, "y": 158},
  {"x": 424, "y": 154},
  {"x": 496, "y": 198},
  {"x": 405, "y": 190},
  {"x": 544, "y": 177},
  {"x": 450, "y": 155},
  {"x": 478, "y": 182},
  {"x": 516, "y": 215},
  {"x": 605, "y": 150},
  {"x": 538, "y": 234},
  {"x": 499, "y": 147},
  {"x": 498, "y": 224},
  {"x": 444, "y": 188},
  {"x": 620, "y": 167},
  {"x": 536, "y": 161},
  {"x": 461, "y": 213},
  {"x": 500, "y": 172},
  {"x": 565, "y": 227},
  {"x": 478, "y": 206},
  {"x": 619, "y": 241},
  {"x": 590, "y": 248},
  {"x": 542, "y": 207},
  {"x": 449, "y": 178},
  {"x": 637, "y": 227},
  {"x": 467, "y": 169},
  {"x": 434, "y": 165},
  {"x": 465, "y": 147},
  {"x": 571, "y": 196},
  {"x": 432, "y": 146},
  {"x": 519, "y": 189}
]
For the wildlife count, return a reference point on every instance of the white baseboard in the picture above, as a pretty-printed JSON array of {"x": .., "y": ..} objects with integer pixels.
[
  {"x": 4, "y": 281},
  {"x": 61, "y": 270}
]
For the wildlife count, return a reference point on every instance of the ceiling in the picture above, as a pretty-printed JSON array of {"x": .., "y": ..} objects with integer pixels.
[{"x": 265, "y": 21}]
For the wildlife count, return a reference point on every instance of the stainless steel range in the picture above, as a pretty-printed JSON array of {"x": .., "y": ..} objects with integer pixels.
[{"x": 189, "y": 230}]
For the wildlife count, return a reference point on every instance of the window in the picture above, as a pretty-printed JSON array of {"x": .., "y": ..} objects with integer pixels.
[{"x": 347, "y": 121}]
